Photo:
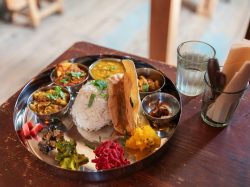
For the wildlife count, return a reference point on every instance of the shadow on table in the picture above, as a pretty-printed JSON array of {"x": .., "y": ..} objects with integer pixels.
[{"x": 188, "y": 143}]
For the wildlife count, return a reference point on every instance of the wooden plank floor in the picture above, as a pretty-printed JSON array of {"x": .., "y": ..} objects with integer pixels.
[{"x": 122, "y": 25}]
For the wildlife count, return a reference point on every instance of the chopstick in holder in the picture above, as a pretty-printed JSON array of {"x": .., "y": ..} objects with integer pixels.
[{"x": 220, "y": 108}]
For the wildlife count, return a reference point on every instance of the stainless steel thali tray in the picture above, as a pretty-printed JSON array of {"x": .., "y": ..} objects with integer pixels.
[{"x": 22, "y": 115}]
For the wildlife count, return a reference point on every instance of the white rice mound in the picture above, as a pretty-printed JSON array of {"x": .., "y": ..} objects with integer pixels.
[{"x": 94, "y": 117}]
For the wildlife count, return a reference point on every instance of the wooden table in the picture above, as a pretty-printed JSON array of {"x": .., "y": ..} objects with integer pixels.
[{"x": 197, "y": 155}]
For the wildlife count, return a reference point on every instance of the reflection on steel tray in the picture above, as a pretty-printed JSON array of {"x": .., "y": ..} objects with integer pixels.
[{"x": 23, "y": 114}]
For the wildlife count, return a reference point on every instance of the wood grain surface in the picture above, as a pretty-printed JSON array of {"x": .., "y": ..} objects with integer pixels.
[{"x": 197, "y": 155}]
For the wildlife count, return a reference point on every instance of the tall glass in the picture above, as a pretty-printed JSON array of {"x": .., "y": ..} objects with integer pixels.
[
  {"x": 192, "y": 59},
  {"x": 218, "y": 106}
]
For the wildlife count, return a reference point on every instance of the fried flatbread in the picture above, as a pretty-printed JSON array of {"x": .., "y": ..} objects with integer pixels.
[
  {"x": 124, "y": 100},
  {"x": 119, "y": 104}
]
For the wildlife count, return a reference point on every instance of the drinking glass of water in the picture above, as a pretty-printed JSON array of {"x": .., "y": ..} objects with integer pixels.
[{"x": 192, "y": 59}]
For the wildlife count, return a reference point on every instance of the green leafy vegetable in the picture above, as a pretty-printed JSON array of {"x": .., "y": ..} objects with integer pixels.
[
  {"x": 112, "y": 68},
  {"x": 58, "y": 93},
  {"x": 65, "y": 80},
  {"x": 90, "y": 145},
  {"x": 145, "y": 87},
  {"x": 100, "y": 84},
  {"x": 66, "y": 147},
  {"x": 123, "y": 140},
  {"x": 70, "y": 75},
  {"x": 67, "y": 156},
  {"x": 52, "y": 97},
  {"x": 77, "y": 75},
  {"x": 104, "y": 95},
  {"x": 62, "y": 94},
  {"x": 91, "y": 100}
]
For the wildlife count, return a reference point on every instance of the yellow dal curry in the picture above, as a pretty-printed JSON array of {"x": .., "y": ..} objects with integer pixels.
[{"x": 104, "y": 69}]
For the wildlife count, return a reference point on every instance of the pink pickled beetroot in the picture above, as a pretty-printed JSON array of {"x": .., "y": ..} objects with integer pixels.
[{"x": 109, "y": 155}]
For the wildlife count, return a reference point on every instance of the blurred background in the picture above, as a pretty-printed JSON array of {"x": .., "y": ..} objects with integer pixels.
[{"x": 28, "y": 43}]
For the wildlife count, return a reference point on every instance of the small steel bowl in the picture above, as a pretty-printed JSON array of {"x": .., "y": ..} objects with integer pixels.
[
  {"x": 73, "y": 88},
  {"x": 149, "y": 103},
  {"x": 102, "y": 59},
  {"x": 56, "y": 115},
  {"x": 151, "y": 74}
]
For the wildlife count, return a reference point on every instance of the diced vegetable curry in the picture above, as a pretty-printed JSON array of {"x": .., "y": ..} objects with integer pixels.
[
  {"x": 147, "y": 84},
  {"x": 45, "y": 102},
  {"x": 69, "y": 74}
]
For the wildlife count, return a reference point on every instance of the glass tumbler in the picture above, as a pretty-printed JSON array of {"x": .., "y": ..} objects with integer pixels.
[
  {"x": 218, "y": 106},
  {"x": 192, "y": 59}
]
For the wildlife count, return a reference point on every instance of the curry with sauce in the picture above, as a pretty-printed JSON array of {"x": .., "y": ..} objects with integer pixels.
[
  {"x": 104, "y": 69},
  {"x": 69, "y": 74},
  {"x": 49, "y": 101}
]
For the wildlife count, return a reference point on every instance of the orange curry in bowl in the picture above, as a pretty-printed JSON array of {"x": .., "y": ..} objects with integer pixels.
[{"x": 69, "y": 74}]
